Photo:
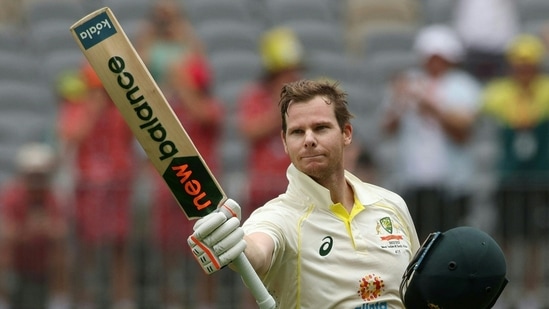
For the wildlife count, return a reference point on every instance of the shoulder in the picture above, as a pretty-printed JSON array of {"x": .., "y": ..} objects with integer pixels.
[
  {"x": 498, "y": 84},
  {"x": 462, "y": 79},
  {"x": 277, "y": 215},
  {"x": 543, "y": 82},
  {"x": 497, "y": 89},
  {"x": 392, "y": 204},
  {"x": 369, "y": 193},
  {"x": 12, "y": 195},
  {"x": 384, "y": 194},
  {"x": 281, "y": 206},
  {"x": 12, "y": 188},
  {"x": 544, "y": 78}
]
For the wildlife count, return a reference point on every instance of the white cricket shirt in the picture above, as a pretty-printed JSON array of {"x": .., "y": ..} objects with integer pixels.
[{"x": 327, "y": 258}]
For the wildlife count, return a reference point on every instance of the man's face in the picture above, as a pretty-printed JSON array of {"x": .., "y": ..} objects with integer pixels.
[
  {"x": 524, "y": 72},
  {"x": 313, "y": 140},
  {"x": 436, "y": 65}
]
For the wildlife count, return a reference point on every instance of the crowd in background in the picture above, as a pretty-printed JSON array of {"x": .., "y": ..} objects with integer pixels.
[{"x": 451, "y": 106}]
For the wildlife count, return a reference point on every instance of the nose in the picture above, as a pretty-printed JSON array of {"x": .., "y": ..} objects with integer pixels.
[{"x": 310, "y": 139}]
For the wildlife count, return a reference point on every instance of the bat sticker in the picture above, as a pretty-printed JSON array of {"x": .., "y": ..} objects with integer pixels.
[
  {"x": 143, "y": 110},
  {"x": 95, "y": 30},
  {"x": 193, "y": 186}
]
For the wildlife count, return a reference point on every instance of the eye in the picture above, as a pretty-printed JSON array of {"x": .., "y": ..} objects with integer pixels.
[
  {"x": 322, "y": 127},
  {"x": 296, "y": 132}
]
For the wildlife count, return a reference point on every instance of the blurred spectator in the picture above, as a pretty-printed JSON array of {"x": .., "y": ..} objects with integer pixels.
[
  {"x": 544, "y": 33},
  {"x": 164, "y": 38},
  {"x": 202, "y": 116},
  {"x": 104, "y": 168},
  {"x": 519, "y": 102},
  {"x": 432, "y": 110},
  {"x": 486, "y": 27},
  {"x": 33, "y": 235},
  {"x": 174, "y": 55},
  {"x": 11, "y": 13},
  {"x": 259, "y": 118}
]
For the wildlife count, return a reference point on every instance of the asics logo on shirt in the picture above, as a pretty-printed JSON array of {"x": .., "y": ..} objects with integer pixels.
[{"x": 326, "y": 246}]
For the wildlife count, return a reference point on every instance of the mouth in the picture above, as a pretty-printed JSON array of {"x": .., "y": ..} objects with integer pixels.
[{"x": 311, "y": 156}]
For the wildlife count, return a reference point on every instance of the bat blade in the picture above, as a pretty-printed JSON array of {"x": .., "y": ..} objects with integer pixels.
[
  {"x": 150, "y": 117},
  {"x": 147, "y": 112}
]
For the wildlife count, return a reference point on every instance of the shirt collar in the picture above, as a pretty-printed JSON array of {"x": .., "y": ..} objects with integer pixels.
[{"x": 311, "y": 192}]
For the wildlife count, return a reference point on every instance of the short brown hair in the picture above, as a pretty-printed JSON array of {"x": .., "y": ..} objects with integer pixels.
[{"x": 305, "y": 90}]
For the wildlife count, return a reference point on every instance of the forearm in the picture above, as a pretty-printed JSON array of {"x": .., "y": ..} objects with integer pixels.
[
  {"x": 391, "y": 122},
  {"x": 201, "y": 108},
  {"x": 456, "y": 125},
  {"x": 260, "y": 126},
  {"x": 259, "y": 251}
]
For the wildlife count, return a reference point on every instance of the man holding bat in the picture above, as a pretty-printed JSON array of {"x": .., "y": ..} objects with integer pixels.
[
  {"x": 330, "y": 240},
  {"x": 328, "y": 229}
]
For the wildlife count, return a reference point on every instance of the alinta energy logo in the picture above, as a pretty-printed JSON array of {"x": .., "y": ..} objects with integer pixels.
[{"x": 371, "y": 287}]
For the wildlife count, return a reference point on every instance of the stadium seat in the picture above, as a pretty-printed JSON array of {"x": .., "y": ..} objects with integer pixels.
[
  {"x": 56, "y": 63},
  {"x": 366, "y": 11},
  {"x": 12, "y": 39},
  {"x": 206, "y": 11},
  {"x": 319, "y": 36},
  {"x": 438, "y": 11},
  {"x": 24, "y": 126},
  {"x": 226, "y": 35},
  {"x": 52, "y": 35},
  {"x": 238, "y": 65},
  {"x": 129, "y": 9},
  {"x": 381, "y": 67},
  {"x": 282, "y": 11},
  {"x": 8, "y": 152},
  {"x": 531, "y": 11},
  {"x": 229, "y": 92},
  {"x": 18, "y": 66},
  {"x": 37, "y": 12},
  {"x": 383, "y": 39},
  {"x": 17, "y": 96},
  {"x": 332, "y": 66}
]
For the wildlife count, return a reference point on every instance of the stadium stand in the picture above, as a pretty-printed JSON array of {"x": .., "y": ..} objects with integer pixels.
[{"x": 360, "y": 43}]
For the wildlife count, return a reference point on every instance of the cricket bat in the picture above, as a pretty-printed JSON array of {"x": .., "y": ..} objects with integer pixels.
[{"x": 154, "y": 124}]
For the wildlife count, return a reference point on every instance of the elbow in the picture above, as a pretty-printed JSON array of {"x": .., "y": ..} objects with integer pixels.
[
  {"x": 258, "y": 260},
  {"x": 461, "y": 129},
  {"x": 259, "y": 251},
  {"x": 461, "y": 136}
]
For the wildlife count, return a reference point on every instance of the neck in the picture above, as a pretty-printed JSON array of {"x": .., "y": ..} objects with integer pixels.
[{"x": 341, "y": 192}]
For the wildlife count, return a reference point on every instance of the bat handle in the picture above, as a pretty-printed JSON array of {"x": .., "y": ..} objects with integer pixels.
[
  {"x": 265, "y": 301},
  {"x": 254, "y": 284}
]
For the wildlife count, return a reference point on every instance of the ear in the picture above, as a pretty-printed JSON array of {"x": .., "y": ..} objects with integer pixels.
[
  {"x": 347, "y": 134},
  {"x": 283, "y": 141}
]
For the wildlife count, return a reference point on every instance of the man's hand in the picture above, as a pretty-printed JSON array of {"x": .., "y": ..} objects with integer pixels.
[{"x": 218, "y": 238}]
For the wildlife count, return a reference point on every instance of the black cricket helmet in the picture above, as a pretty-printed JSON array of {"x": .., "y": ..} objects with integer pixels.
[{"x": 463, "y": 267}]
